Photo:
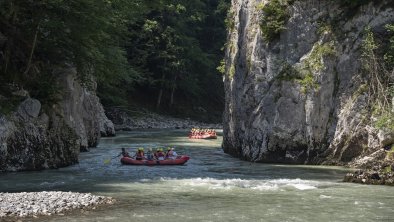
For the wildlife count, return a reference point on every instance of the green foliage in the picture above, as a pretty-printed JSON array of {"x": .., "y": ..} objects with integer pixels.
[
  {"x": 177, "y": 52},
  {"x": 390, "y": 90},
  {"x": 387, "y": 169},
  {"x": 385, "y": 120},
  {"x": 224, "y": 8},
  {"x": 314, "y": 61},
  {"x": 380, "y": 78},
  {"x": 45, "y": 35},
  {"x": 389, "y": 55},
  {"x": 274, "y": 18},
  {"x": 363, "y": 88},
  {"x": 305, "y": 79},
  {"x": 222, "y": 67},
  {"x": 304, "y": 74},
  {"x": 231, "y": 72},
  {"x": 260, "y": 6},
  {"x": 389, "y": 156},
  {"x": 369, "y": 45},
  {"x": 324, "y": 28},
  {"x": 288, "y": 73},
  {"x": 9, "y": 104},
  {"x": 229, "y": 20},
  {"x": 130, "y": 47},
  {"x": 308, "y": 83},
  {"x": 45, "y": 89}
]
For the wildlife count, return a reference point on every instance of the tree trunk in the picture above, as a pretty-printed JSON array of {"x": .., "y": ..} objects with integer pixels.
[
  {"x": 173, "y": 91},
  {"x": 10, "y": 41},
  {"x": 31, "y": 52},
  {"x": 160, "y": 91}
]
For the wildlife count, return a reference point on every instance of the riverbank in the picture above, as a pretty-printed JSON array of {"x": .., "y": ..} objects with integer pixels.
[
  {"x": 148, "y": 120},
  {"x": 376, "y": 173},
  {"x": 33, "y": 204}
]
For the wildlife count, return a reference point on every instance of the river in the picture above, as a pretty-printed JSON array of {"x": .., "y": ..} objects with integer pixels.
[{"x": 212, "y": 186}]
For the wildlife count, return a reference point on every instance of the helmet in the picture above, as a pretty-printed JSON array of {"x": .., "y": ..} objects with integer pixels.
[{"x": 168, "y": 148}]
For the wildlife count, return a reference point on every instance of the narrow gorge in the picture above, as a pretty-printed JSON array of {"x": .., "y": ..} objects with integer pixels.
[
  {"x": 246, "y": 110},
  {"x": 297, "y": 84}
]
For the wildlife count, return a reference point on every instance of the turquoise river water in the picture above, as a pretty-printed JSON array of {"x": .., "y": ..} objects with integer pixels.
[{"x": 212, "y": 186}]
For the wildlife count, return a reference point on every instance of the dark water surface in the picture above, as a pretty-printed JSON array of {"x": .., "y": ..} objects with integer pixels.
[{"x": 212, "y": 186}]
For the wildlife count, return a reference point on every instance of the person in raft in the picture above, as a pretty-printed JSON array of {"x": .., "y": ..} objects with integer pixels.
[
  {"x": 149, "y": 154},
  {"x": 140, "y": 154},
  {"x": 171, "y": 154},
  {"x": 155, "y": 153},
  {"x": 159, "y": 154},
  {"x": 167, "y": 155},
  {"x": 124, "y": 153}
]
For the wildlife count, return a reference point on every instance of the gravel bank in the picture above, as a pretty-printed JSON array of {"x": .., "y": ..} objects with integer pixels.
[
  {"x": 122, "y": 121},
  {"x": 46, "y": 203}
]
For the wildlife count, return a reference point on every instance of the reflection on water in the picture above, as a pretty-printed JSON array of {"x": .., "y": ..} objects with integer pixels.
[{"x": 212, "y": 186}]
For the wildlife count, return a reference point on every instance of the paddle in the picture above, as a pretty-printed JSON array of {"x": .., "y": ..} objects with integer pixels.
[{"x": 107, "y": 161}]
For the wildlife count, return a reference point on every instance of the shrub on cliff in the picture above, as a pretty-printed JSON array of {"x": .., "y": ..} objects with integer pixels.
[
  {"x": 274, "y": 17},
  {"x": 379, "y": 68}
]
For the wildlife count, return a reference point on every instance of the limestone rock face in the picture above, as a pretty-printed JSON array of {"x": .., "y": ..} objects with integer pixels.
[
  {"x": 82, "y": 110},
  {"x": 34, "y": 142},
  {"x": 32, "y": 138},
  {"x": 301, "y": 98}
]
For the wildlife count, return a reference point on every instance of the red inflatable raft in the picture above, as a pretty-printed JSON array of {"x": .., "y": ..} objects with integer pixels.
[
  {"x": 178, "y": 161},
  {"x": 204, "y": 136}
]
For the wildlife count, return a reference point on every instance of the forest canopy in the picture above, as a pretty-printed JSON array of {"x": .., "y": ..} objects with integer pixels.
[{"x": 160, "y": 54}]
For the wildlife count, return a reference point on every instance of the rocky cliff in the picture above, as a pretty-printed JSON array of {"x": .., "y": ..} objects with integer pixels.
[
  {"x": 301, "y": 97},
  {"x": 33, "y": 137}
]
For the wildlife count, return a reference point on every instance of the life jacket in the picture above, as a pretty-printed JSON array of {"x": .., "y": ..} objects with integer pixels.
[
  {"x": 125, "y": 154},
  {"x": 149, "y": 155},
  {"x": 140, "y": 154},
  {"x": 160, "y": 154},
  {"x": 169, "y": 153}
]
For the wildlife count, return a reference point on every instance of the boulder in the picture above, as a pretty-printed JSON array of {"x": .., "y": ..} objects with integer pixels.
[
  {"x": 29, "y": 108},
  {"x": 34, "y": 139}
]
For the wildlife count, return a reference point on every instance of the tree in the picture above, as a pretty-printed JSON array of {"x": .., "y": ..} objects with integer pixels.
[{"x": 47, "y": 34}]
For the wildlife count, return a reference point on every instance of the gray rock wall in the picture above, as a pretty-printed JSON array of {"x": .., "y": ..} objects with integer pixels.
[
  {"x": 300, "y": 98},
  {"x": 33, "y": 138},
  {"x": 82, "y": 110}
]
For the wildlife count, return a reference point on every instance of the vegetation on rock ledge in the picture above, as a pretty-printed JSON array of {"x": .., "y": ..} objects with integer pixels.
[
  {"x": 274, "y": 17},
  {"x": 379, "y": 68}
]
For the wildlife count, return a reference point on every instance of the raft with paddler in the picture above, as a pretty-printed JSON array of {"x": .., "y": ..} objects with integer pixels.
[
  {"x": 159, "y": 157},
  {"x": 197, "y": 133}
]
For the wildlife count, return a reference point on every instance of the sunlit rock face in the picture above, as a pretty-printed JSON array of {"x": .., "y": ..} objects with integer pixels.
[
  {"x": 82, "y": 110},
  {"x": 301, "y": 98},
  {"x": 36, "y": 137}
]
